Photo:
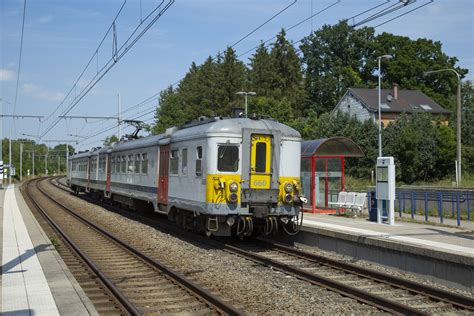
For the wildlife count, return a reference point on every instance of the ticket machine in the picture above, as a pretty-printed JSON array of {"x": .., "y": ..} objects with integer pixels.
[{"x": 385, "y": 189}]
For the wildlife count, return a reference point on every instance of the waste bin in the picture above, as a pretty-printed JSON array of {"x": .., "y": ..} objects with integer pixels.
[{"x": 373, "y": 207}]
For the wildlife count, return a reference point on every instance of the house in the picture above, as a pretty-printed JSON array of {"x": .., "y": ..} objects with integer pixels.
[{"x": 363, "y": 103}]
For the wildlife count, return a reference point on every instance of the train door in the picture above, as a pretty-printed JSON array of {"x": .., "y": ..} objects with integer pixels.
[
  {"x": 108, "y": 173},
  {"x": 163, "y": 174},
  {"x": 260, "y": 161}
]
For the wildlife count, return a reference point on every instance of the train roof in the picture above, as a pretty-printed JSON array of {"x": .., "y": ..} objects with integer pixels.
[
  {"x": 233, "y": 126},
  {"x": 209, "y": 127}
]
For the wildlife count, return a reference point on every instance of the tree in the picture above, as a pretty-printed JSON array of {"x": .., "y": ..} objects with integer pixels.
[
  {"x": 261, "y": 72},
  {"x": 109, "y": 140},
  {"x": 336, "y": 58},
  {"x": 169, "y": 113},
  {"x": 231, "y": 78}
]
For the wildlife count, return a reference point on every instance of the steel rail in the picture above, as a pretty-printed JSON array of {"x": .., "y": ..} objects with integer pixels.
[
  {"x": 129, "y": 306},
  {"x": 339, "y": 287},
  {"x": 414, "y": 287},
  {"x": 197, "y": 290}
]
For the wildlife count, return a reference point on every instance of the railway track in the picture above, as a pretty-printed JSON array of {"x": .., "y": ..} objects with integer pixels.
[
  {"x": 137, "y": 283},
  {"x": 386, "y": 292}
]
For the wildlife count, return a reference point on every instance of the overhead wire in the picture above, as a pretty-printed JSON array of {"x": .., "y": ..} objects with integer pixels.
[
  {"x": 118, "y": 53},
  {"x": 19, "y": 63}
]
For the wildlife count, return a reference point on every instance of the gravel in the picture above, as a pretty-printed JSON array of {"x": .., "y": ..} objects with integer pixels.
[{"x": 248, "y": 286}]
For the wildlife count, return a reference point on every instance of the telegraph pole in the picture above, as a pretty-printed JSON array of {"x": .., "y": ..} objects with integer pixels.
[
  {"x": 118, "y": 117},
  {"x": 21, "y": 161}
]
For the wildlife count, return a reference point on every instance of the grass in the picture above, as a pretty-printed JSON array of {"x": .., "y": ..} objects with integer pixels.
[
  {"x": 55, "y": 242},
  {"x": 358, "y": 184}
]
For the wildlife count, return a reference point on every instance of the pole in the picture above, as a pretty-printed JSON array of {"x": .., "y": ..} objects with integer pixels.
[
  {"x": 59, "y": 161},
  {"x": 67, "y": 160},
  {"x": 21, "y": 161},
  {"x": 33, "y": 163},
  {"x": 1, "y": 140},
  {"x": 458, "y": 129},
  {"x": 46, "y": 163},
  {"x": 380, "y": 117},
  {"x": 246, "y": 105},
  {"x": 118, "y": 117},
  {"x": 10, "y": 159}
]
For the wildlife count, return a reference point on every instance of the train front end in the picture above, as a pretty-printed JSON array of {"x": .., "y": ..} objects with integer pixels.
[{"x": 255, "y": 187}]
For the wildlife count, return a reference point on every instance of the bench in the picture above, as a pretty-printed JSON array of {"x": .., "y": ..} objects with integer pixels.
[{"x": 353, "y": 201}]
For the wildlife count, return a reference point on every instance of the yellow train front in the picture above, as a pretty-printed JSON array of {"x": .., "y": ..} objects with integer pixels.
[{"x": 236, "y": 176}]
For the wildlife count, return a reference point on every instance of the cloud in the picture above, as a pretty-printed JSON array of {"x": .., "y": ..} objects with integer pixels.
[
  {"x": 44, "y": 19},
  {"x": 39, "y": 93},
  {"x": 6, "y": 75}
]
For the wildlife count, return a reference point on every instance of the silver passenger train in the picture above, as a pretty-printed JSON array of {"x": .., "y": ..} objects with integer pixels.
[{"x": 234, "y": 176}]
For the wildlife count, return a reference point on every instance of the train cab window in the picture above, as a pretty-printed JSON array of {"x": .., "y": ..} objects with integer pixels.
[
  {"x": 174, "y": 157},
  {"x": 261, "y": 157},
  {"x": 144, "y": 168},
  {"x": 228, "y": 158},
  {"x": 199, "y": 160},
  {"x": 184, "y": 161},
  {"x": 137, "y": 163}
]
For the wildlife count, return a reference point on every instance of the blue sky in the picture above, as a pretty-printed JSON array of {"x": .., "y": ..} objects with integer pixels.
[{"x": 60, "y": 36}]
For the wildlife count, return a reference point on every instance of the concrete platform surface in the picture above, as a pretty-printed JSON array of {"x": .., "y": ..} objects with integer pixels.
[
  {"x": 34, "y": 279},
  {"x": 442, "y": 254}
]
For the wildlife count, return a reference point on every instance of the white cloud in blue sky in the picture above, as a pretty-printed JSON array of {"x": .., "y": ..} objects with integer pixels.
[{"x": 61, "y": 36}]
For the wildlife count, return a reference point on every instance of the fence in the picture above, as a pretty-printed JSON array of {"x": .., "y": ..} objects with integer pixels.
[{"x": 442, "y": 203}]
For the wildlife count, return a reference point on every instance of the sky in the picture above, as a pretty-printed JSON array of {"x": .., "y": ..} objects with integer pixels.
[{"x": 61, "y": 36}]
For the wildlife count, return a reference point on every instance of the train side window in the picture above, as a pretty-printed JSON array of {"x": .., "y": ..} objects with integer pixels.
[
  {"x": 174, "y": 158},
  {"x": 123, "y": 165},
  {"x": 144, "y": 169},
  {"x": 130, "y": 165},
  {"x": 137, "y": 163},
  {"x": 228, "y": 158},
  {"x": 112, "y": 165},
  {"x": 184, "y": 161},
  {"x": 199, "y": 160}
]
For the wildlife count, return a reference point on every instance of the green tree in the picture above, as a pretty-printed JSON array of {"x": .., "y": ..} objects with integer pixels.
[
  {"x": 261, "y": 72},
  {"x": 336, "y": 58},
  {"x": 109, "y": 140},
  {"x": 169, "y": 113}
]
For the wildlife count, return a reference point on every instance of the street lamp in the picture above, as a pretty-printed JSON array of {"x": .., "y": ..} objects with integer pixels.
[
  {"x": 380, "y": 101},
  {"x": 458, "y": 120},
  {"x": 246, "y": 93}
]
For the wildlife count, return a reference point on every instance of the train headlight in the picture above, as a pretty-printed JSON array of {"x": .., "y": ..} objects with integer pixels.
[
  {"x": 288, "y": 187},
  {"x": 233, "y": 197},
  {"x": 233, "y": 187},
  {"x": 288, "y": 198},
  {"x": 230, "y": 221}
]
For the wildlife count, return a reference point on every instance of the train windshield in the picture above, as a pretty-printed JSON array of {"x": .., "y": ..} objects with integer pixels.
[{"x": 228, "y": 158}]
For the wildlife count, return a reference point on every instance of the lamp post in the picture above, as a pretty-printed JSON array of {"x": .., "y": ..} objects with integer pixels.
[
  {"x": 246, "y": 93},
  {"x": 380, "y": 100},
  {"x": 458, "y": 120}
]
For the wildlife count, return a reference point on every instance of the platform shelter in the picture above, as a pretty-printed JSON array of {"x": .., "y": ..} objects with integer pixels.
[{"x": 322, "y": 170}]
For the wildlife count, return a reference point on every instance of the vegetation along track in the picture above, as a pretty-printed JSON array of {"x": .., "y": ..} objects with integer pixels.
[
  {"x": 381, "y": 290},
  {"x": 141, "y": 284}
]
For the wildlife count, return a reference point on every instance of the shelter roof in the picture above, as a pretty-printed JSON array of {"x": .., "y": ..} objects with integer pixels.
[{"x": 334, "y": 146}]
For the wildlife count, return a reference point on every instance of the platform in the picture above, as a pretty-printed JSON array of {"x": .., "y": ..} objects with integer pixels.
[
  {"x": 34, "y": 280},
  {"x": 438, "y": 253}
]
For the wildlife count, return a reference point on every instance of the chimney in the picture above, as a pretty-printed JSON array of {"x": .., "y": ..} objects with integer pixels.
[{"x": 395, "y": 91}]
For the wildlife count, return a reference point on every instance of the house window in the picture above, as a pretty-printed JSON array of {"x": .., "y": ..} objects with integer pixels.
[
  {"x": 184, "y": 161},
  {"x": 174, "y": 158},
  {"x": 199, "y": 160},
  {"x": 426, "y": 107}
]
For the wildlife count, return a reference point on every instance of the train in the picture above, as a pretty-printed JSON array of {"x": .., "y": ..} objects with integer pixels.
[{"x": 233, "y": 176}]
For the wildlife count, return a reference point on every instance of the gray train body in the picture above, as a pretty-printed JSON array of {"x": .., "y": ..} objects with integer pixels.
[{"x": 222, "y": 176}]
